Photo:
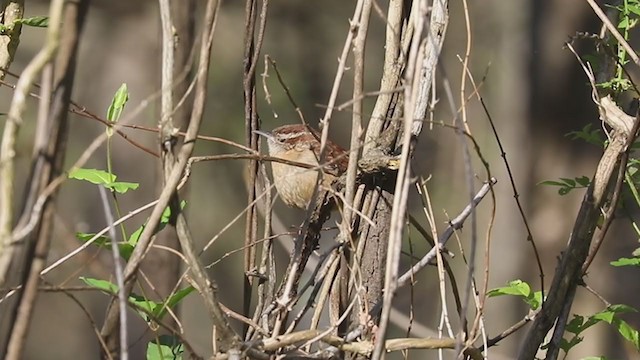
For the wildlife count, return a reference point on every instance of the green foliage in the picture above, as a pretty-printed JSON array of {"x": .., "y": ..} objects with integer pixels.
[
  {"x": 626, "y": 262},
  {"x": 120, "y": 99},
  {"x": 126, "y": 248},
  {"x": 629, "y": 17},
  {"x": 148, "y": 310},
  {"x": 521, "y": 289},
  {"x": 164, "y": 220},
  {"x": 566, "y": 185},
  {"x": 166, "y": 347},
  {"x": 587, "y": 134},
  {"x": 101, "y": 177},
  {"x": 616, "y": 85},
  {"x": 93, "y": 176},
  {"x": 114, "y": 112},
  {"x": 35, "y": 21},
  {"x": 579, "y": 324},
  {"x": 629, "y": 11}
]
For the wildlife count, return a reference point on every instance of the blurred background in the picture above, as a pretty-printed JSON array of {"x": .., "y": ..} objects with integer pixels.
[{"x": 533, "y": 88}]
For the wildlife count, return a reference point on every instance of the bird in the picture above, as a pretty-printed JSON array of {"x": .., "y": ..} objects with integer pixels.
[{"x": 301, "y": 143}]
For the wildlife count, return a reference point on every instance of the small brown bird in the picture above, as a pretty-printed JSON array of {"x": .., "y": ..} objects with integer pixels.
[{"x": 301, "y": 144}]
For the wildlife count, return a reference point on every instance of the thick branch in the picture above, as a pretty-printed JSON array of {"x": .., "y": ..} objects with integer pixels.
[{"x": 569, "y": 272}]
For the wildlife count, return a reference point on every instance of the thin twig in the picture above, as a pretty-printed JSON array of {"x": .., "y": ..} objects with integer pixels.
[
  {"x": 12, "y": 127},
  {"x": 455, "y": 224},
  {"x": 117, "y": 261}
]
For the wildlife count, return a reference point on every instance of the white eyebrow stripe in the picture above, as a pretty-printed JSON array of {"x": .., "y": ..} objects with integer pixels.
[{"x": 291, "y": 135}]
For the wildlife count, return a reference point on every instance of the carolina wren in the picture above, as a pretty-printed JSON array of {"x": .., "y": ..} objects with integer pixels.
[{"x": 301, "y": 144}]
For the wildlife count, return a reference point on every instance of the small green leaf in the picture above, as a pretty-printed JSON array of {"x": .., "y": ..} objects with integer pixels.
[
  {"x": 626, "y": 262},
  {"x": 628, "y": 332},
  {"x": 122, "y": 187},
  {"x": 166, "y": 347},
  {"x": 98, "y": 177},
  {"x": 125, "y": 249},
  {"x": 103, "y": 285},
  {"x": 621, "y": 308},
  {"x": 624, "y": 23},
  {"x": 609, "y": 316},
  {"x": 583, "y": 181},
  {"x": 567, "y": 345},
  {"x": 135, "y": 236},
  {"x": 164, "y": 220},
  {"x": 575, "y": 325},
  {"x": 551, "y": 182},
  {"x": 521, "y": 289},
  {"x": 35, "y": 21},
  {"x": 117, "y": 104},
  {"x": 515, "y": 287},
  {"x": 144, "y": 307},
  {"x": 534, "y": 300},
  {"x": 173, "y": 300},
  {"x": 84, "y": 237}
]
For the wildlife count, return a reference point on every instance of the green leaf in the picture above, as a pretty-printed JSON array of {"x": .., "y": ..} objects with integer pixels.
[
  {"x": 626, "y": 262},
  {"x": 135, "y": 236},
  {"x": 101, "y": 177},
  {"x": 515, "y": 287},
  {"x": 521, "y": 289},
  {"x": 575, "y": 326},
  {"x": 609, "y": 315},
  {"x": 587, "y": 134},
  {"x": 624, "y": 23},
  {"x": 551, "y": 182},
  {"x": 164, "y": 220},
  {"x": 166, "y": 347},
  {"x": 583, "y": 181},
  {"x": 570, "y": 182},
  {"x": 95, "y": 176},
  {"x": 84, "y": 237},
  {"x": 534, "y": 300},
  {"x": 125, "y": 249},
  {"x": 144, "y": 307},
  {"x": 112, "y": 289},
  {"x": 156, "y": 310},
  {"x": 117, "y": 104},
  {"x": 628, "y": 332},
  {"x": 35, "y": 21},
  {"x": 174, "y": 300},
  {"x": 566, "y": 185},
  {"x": 103, "y": 285},
  {"x": 567, "y": 345},
  {"x": 122, "y": 187},
  {"x": 621, "y": 308}
]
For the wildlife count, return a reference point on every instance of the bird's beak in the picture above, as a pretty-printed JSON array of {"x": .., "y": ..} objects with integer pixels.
[{"x": 263, "y": 133}]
